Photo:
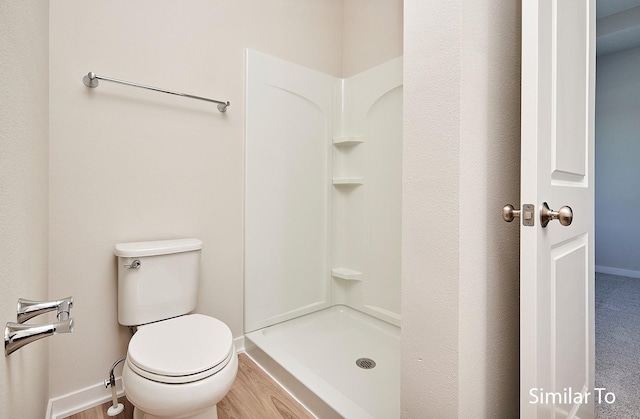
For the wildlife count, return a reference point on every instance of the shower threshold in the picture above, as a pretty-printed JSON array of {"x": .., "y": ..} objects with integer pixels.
[{"x": 325, "y": 350}]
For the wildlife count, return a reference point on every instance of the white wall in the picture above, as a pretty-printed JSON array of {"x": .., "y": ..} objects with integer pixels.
[
  {"x": 617, "y": 169},
  {"x": 460, "y": 166},
  {"x": 128, "y": 164},
  {"x": 371, "y": 33},
  {"x": 24, "y": 197}
]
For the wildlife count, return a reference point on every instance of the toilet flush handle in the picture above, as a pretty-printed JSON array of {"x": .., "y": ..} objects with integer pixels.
[{"x": 134, "y": 265}]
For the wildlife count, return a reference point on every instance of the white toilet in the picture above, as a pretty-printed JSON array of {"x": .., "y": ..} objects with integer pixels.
[{"x": 178, "y": 365}]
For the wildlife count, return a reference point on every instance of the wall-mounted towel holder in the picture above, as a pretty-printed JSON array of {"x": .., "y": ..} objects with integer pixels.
[
  {"x": 17, "y": 335},
  {"x": 91, "y": 80}
]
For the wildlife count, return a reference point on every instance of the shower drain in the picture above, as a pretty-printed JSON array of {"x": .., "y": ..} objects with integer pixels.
[{"x": 366, "y": 363}]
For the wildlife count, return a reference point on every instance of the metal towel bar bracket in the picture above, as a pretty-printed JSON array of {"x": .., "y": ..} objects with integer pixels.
[
  {"x": 91, "y": 80},
  {"x": 28, "y": 309},
  {"x": 17, "y": 335}
]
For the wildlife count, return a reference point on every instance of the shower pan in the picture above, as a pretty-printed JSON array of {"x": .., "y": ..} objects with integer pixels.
[{"x": 322, "y": 230}]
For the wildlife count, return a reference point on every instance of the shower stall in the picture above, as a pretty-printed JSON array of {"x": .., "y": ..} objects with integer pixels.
[{"x": 322, "y": 230}]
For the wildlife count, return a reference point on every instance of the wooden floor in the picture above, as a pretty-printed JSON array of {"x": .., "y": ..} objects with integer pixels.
[{"x": 253, "y": 395}]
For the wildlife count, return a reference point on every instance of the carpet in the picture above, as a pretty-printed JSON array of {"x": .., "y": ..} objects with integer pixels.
[{"x": 617, "y": 318}]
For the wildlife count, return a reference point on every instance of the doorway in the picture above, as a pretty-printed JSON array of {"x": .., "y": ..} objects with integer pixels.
[{"x": 617, "y": 290}]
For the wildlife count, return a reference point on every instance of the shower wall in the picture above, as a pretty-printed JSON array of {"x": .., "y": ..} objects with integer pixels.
[
  {"x": 287, "y": 157},
  {"x": 366, "y": 210},
  {"x": 322, "y": 191}
]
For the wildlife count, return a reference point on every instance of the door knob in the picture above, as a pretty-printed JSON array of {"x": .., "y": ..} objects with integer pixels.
[
  {"x": 564, "y": 215},
  {"x": 509, "y": 213}
]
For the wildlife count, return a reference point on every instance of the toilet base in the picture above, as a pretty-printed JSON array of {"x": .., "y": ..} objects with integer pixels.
[{"x": 208, "y": 413}]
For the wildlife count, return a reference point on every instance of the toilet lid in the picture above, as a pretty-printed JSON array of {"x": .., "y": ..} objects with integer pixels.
[{"x": 180, "y": 349}]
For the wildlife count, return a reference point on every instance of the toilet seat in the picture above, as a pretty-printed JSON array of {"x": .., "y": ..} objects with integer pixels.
[{"x": 181, "y": 350}]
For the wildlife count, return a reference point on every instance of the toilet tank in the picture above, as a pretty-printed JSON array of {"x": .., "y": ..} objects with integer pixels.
[{"x": 157, "y": 280}]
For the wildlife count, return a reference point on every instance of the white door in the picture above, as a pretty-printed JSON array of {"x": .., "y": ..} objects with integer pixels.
[{"x": 557, "y": 261}]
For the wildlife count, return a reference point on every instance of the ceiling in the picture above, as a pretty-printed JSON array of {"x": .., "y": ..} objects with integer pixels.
[{"x": 618, "y": 25}]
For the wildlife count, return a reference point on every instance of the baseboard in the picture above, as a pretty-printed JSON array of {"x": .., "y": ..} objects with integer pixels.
[
  {"x": 239, "y": 344},
  {"x": 86, "y": 398},
  {"x": 80, "y": 400},
  {"x": 617, "y": 271}
]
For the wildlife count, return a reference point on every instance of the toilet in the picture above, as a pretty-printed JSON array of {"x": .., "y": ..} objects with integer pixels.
[{"x": 179, "y": 365}]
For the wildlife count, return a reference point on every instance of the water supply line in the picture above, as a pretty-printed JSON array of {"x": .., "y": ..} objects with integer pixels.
[{"x": 116, "y": 408}]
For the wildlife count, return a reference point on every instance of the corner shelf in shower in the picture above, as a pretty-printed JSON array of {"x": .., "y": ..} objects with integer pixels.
[
  {"x": 346, "y": 273},
  {"x": 348, "y": 181},
  {"x": 347, "y": 141}
]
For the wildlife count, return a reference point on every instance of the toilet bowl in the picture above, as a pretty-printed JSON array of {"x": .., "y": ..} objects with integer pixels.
[
  {"x": 180, "y": 368},
  {"x": 179, "y": 364}
]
